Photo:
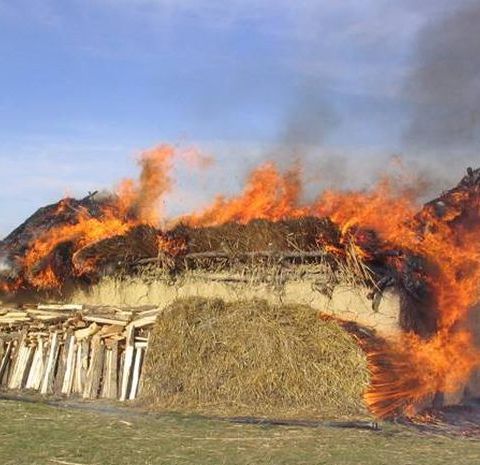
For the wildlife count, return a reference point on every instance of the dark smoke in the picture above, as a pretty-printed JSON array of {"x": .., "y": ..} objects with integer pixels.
[
  {"x": 309, "y": 119},
  {"x": 444, "y": 86},
  {"x": 303, "y": 134}
]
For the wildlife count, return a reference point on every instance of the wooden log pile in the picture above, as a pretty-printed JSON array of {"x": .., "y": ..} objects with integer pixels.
[{"x": 91, "y": 352}]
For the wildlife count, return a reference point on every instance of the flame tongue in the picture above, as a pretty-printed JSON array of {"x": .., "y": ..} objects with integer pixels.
[{"x": 71, "y": 225}]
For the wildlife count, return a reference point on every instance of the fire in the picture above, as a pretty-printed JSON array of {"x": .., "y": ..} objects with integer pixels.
[
  {"x": 133, "y": 204},
  {"x": 86, "y": 231},
  {"x": 141, "y": 200},
  {"x": 418, "y": 368},
  {"x": 268, "y": 195},
  {"x": 404, "y": 373}
]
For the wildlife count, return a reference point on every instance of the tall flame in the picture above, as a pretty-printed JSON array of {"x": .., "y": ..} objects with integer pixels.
[{"x": 134, "y": 203}]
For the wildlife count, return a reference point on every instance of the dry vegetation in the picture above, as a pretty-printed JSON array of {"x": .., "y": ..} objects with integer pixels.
[{"x": 252, "y": 358}]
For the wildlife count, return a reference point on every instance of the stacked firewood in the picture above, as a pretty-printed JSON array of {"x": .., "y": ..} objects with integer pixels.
[{"x": 74, "y": 350}]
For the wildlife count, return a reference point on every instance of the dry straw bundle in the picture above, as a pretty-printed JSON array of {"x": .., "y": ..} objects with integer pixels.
[{"x": 251, "y": 358}]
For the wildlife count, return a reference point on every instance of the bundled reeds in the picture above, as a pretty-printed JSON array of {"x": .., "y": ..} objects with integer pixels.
[{"x": 252, "y": 358}]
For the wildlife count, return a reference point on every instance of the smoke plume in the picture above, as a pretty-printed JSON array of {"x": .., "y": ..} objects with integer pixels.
[{"x": 444, "y": 85}]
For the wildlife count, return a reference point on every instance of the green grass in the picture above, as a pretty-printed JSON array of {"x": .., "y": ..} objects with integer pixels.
[{"x": 33, "y": 433}]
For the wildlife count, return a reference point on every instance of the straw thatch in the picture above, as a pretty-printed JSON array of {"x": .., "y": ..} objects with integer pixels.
[
  {"x": 251, "y": 358},
  {"x": 303, "y": 234},
  {"x": 140, "y": 242}
]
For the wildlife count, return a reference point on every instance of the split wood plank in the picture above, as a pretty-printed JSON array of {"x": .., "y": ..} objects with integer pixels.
[
  {"x": 94, "y": 373},
  {"x": 70, "y": 307},
  {"x": 70, "y": 366},
  {"x": 81, "y": 365},
  {"x": 17, "y": 363},
  {"x": 111, "y": 330},
  {"x": 136, "y": 373},
  {"x": 105, "y": 320},
  {"x": 121, "y": 364},
  {"x": 5, "y": 362},
  {"x": 17, "y": 358},
  {"x": 22, "y": 365},
  {"x": 112, "y": 391},
  {"x": 87, "y": 332},
  {"x": 47, "y": 381},
  {"x": 62, "y": 365},
  {"x": 37, "y": 367},
  {"x": 25, "y": 369},
  {"x": 2, "y": 348},
  {"x": 106, "y": 369},
  {"x": 145, "y": 321},
  {"x": 153, "y": 312},
  {"x": 127, "y": 364},
  {"x": 77, "y": 375}
]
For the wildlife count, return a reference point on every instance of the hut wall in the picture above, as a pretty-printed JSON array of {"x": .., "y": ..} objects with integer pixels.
[{"x": 343, "y": 301}]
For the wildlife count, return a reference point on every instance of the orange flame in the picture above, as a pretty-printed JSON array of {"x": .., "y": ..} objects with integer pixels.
[
  {"x": 418, "y": 368},
  {"x": 268, "y": 195},
  {"x": 135, "y": 203}
]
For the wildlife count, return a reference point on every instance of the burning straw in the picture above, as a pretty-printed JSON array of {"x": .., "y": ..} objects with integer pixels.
[{"x": 252, "y": 358}]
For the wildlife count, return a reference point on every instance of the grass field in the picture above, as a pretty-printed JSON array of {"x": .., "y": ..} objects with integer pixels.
[{"x": 34, "y": 433}]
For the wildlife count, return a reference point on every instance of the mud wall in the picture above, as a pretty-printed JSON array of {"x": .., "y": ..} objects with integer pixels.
[{"x": 344, "y": 301}]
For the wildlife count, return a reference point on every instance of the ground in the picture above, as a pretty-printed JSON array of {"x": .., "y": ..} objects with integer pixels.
[{"x": 37, "y": 433}]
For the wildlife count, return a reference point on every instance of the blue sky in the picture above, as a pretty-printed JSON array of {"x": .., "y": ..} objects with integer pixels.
[{"x": 87, "y": 84}]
